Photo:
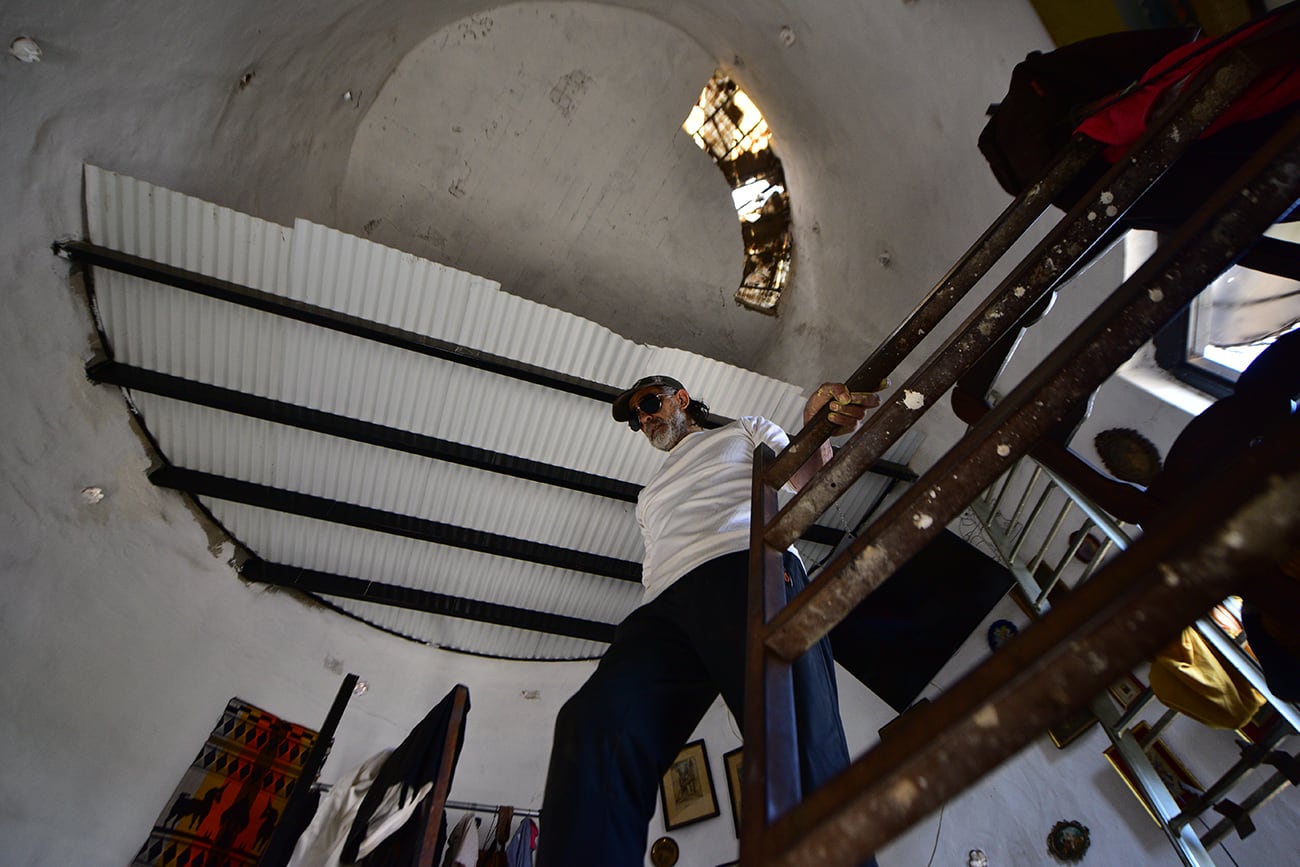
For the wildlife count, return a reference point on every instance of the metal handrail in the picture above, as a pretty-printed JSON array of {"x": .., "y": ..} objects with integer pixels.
[{"x": 1124, "y": 614}]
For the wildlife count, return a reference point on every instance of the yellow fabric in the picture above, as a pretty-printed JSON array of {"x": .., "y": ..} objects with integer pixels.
[{"x": 1188, "y": 677}]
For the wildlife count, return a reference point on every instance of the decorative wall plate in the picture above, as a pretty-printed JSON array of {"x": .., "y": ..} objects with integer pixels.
[
  {"x": 1000, "y": 632},
  {"x": 664, "y": 852},
  {"x": 1128, "y": 455},
  {"x": 1068, "y": 841}
]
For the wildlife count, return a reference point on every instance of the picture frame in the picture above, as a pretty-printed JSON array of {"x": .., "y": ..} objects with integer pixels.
[
  {"x": 687, "y": 788},
  {"x": 732, "y": 764},
  {"x": 1070, "y": 729},
  {"x": 1184, "y": 787},
  {"x": 1126, "y": 690}
]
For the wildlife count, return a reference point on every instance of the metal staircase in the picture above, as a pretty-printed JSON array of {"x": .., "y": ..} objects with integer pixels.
[{"x": 1245, "y": 514}]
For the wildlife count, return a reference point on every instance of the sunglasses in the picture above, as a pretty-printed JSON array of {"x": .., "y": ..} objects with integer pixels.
[{"x": 649, "y": 405}]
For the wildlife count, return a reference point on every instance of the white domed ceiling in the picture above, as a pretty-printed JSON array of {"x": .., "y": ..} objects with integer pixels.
[{"x": 540, "y": 145}]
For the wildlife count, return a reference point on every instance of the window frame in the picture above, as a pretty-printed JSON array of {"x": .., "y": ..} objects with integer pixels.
[
  {"x": 1175, "y": 346},
  {"x": 1178, "y": 345}
]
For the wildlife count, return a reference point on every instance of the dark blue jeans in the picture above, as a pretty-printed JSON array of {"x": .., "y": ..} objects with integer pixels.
[{"x": 617, "y": 735}]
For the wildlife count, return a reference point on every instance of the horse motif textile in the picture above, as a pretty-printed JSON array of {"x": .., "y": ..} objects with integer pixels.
[{"x": 230, "y": 798}]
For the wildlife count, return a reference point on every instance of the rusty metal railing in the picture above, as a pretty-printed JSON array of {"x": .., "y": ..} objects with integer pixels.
[{"x": 1124, "y": 613}]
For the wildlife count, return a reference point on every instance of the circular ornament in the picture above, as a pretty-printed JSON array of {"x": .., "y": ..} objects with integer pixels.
[
  {"x": 1000, "y": 632},
  {"x": 1068, "y": 841},
  {"x": 664, "y": 852},
  {"x": 1128, "y": 455}
]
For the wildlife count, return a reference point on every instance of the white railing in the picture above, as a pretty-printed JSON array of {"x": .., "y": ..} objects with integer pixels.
[{"x": 1029, "y": 516}]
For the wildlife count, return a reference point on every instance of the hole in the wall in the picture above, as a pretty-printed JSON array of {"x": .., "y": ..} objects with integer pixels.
[{"x": 727, "y": 125}]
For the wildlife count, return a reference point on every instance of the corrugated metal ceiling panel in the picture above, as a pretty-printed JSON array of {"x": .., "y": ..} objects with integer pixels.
[
  {"x": 172, "y": 331},
  {"x": 308, "y": 543},
  {"x": 155, "y": 223},
  {"x": 296, "y": 460},
  {"x": 175, "y": 332},
  {"x": 164, "y": 329}
]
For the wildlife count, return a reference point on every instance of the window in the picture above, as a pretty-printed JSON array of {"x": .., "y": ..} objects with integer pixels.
[
  {"x": 1237, "y": 316},
  {"x": 727, "y": 125}
]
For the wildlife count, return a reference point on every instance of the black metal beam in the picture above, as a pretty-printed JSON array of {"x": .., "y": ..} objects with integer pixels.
[
  {"x": 311, "y": 314},
  {"x": 207, "y": 484},
  {"x": 300, "y": 311},
  {"x": 893, "y": 470},
  {"x": 176, "y": 388},
  {"x": 326, "y": 583},
  {"x": 822, "y": 535}
]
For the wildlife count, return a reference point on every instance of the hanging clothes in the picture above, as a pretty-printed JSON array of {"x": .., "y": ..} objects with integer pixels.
[
  {"x": 493, "y": 853},
  {"x": 462, "y": 845},
  {"x": 416, "y": 760},
  {"x": 1122, "y": 122},
  {"x": 322, "y": 843},
  {"x": 519, "y": 851},
  {"x": 379, "y": 817},
  {"x": 1189, "y": 677}
]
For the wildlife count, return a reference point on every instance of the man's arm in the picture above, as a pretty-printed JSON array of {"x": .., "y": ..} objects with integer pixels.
[{"x": 847, "y": 410}]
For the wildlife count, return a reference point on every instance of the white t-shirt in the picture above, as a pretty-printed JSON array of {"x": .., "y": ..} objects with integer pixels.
[{"x": 698, "y": 506}]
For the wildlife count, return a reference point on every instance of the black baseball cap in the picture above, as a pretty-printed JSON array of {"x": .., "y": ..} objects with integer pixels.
[{"x": 621, "y": 411}]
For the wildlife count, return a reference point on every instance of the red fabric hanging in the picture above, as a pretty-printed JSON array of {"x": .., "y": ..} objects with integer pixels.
[{"x": 1120, "y": 123}]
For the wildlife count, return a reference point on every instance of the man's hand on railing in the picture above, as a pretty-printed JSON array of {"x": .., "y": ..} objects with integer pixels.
[{"x": 847, "y": 408}]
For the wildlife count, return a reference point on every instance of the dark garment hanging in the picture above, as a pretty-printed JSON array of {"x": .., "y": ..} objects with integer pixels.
[
  {"x": 1051, "y": 93},
  {"x": 493, "y": 852},
  {"x": 1106, "y": 88},
  {"x": 414, "y": 763}
]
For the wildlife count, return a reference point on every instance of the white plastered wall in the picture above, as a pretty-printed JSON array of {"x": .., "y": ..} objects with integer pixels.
[{"x": 123, "y": 631}]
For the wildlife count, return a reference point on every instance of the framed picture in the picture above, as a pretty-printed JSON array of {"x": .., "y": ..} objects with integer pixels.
[
  {"x": 1263, "y": 727},
  {"x": 1177, "y": 779},
  {"x": 1126, "y": 690},
  {"x": 1067, "y": 732},
  {"x": 731, "y": 762},
  {"x": 687, "y": 788}
]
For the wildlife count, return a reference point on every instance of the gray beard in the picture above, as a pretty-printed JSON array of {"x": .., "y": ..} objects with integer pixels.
[{"x": 670, "y": 433}]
